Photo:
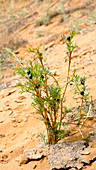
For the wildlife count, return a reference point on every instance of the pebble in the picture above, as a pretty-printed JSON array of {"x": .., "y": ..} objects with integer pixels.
[
  {"x": 33, "y": 154},
  {"x": 19, "y": 121},
  {"x": 10, "y": 112},
  {"x": 1, "y": 110},
  {"x": 25, "y": 119},
  {"x": 12, "y": 138},
  {"x": 1, "y": 121},
  {"x": 13, "y": 120},
  {"x": 8, "y": 108},
  {"x": 2, "y": 135},
  {"x": 85, "y": 152},
  {"x": 11, "y": 151},
  {"x": 15, "y": 125}
]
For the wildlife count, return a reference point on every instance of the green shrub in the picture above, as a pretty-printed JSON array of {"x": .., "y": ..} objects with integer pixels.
[{"x": 47, "y": 98}]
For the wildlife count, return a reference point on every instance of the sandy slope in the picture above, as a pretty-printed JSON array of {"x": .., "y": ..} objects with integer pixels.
[{"x": 18, "y": 121}]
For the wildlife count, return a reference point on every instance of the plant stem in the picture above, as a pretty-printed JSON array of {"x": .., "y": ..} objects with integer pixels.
[
  {"x": 61, "y": 115},
  {"x": 45, "y": 77},
  {"x": 67, "y": 74},
  {"x": 80, "y": 110},
  {"x": 55, "y": 113},
  {"x": 89, "y": 111},
  {"x": 47, "y": 121},
  {"x": 65, "y": 87}
]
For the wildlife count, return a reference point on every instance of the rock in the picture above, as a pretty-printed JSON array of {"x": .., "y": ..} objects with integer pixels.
[
  {"x": 13, "y": 120},
  {"x": 27, "y": 116},
  {"x": 10, "y": 112},
  {"x": 87, "y": 158},
  {"x": 1, "y": 110},
  {"x": 19, "y": 121},
  {"x": 15, "y": 125},
  {"x": 21, "y": 159},
  {"x": 79, "y": 165},
  {"x": 40, "y": 145},
  {"x": 2, "y": 135},
  {"x": 56, "y": 167},
  {"x": 1, "y": 121},
  {"x": 33, "y": 154},
  {"x": 85, "y": 152},
  {"x": 8, "y": 108},
  {"x": 91, "y": 134},
  {"x": 25, "y": 119},
  {"x": 65, "y": 155}
]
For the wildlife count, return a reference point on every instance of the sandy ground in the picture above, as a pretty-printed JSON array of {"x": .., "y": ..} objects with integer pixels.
[{"x": 19, "y": 123}]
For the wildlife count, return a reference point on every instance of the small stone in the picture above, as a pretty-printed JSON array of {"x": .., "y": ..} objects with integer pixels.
[
  {"x": 2, "y": 135},
  {"x": 91, "y": 134},
  {"x": 10, "y": 112},
  {"x": 86, "y": 161},
  {"x": 54, "y": 167},
  {"x": 85, "y": 152},
  {"x": 1, "y": 121},
  {"x": 40, "y": 151},
  {"x": 15, "y": 125},
  {"x": 25, "y": 119},
  {"x": 19, "y": 121},
  {"x": 1, "y": 110},
  {"x": 33, "y": 154},
  {"x": 8, "y": 108},
  {"x": 13, "y": 120},
  {"x": 11, "y": 151}
]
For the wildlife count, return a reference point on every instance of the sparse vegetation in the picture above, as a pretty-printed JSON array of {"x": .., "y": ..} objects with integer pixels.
[
  {"x": 75, "y": 24},
  {"x": 63, "y": 17},
  {"x": 10, "y": 11},
  {"x": 55, "y": 107},
  {"x": 39, "y": 33},
  {"x": 37, "y": 2},
  {"x": 91, "y": 18},
  {"x": 45, "y": 19},
  {"x": 48, "y": 99}
]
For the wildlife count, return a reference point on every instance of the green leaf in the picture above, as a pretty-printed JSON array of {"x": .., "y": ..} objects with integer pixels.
[
  {"x": 19, "y": 84},
  {"x": 31, "y": 50}
]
